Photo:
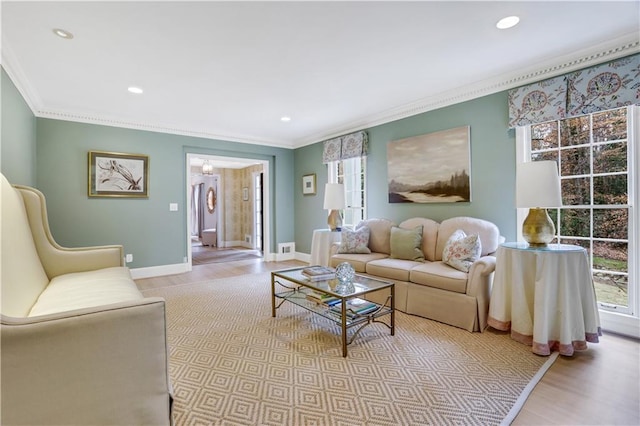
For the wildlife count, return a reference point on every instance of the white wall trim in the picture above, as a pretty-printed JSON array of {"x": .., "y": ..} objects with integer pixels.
[
  {"x": 626, "y": 325},
  {"x": 596, "y": 54},
  {"x": 159, "y": 271}
]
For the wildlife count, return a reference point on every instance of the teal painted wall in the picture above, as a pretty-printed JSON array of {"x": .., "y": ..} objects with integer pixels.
[
  {"x": 18, "y": 135},
  {"x": 492, "y": 169},
  {"x": 147, "y": 229}
]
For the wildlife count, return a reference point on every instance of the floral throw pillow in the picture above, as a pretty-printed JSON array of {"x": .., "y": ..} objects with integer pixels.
[
  {"x": 461, "y": 250},
  {"x": 355, "y": 242}
]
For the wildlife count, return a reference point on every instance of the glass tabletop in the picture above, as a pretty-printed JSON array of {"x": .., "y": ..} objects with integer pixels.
[
  {"x": 548, "y": 247},
  {"x": 361, "y": 284}
]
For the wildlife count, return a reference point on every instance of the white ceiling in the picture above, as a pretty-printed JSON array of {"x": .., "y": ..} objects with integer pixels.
[{"x": 230, "y": 70}]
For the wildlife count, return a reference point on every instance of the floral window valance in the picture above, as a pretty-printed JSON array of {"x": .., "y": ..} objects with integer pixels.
[
  {"x": 606, "y": 86},
  {"x": 348, "y": 146}
]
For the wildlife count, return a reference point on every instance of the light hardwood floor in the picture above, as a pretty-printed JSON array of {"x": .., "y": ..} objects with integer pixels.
[{"x": 600, "y": 386}]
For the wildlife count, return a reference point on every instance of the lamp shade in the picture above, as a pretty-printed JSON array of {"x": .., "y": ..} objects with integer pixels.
[
  {"x": 334, "y": 196},
  {"x": 538, "y": 185}
]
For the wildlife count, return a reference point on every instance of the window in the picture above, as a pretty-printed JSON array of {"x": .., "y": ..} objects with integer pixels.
[
  {"x": 596, "y": 159},
  {"x": 351, "y": 173}
]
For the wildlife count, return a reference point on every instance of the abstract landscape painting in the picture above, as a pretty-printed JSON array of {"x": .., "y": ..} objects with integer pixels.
[{"x": 430, "y": 168}]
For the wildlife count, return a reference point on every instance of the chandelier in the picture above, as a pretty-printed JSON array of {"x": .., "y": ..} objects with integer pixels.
[{"x": 207, "y": 168}]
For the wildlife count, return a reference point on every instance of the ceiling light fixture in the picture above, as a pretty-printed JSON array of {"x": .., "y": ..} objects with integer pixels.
[
  {"x": 135, "y": 90},
  {"x": 285, "y": 119},
  {"x": 508, "y": 22},
  {"x": 63, "y": 33},
  {"x": 207, "y": 168}
]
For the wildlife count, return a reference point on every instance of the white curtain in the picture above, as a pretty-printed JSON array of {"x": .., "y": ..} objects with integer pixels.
[{"x": 197, "y": 209}]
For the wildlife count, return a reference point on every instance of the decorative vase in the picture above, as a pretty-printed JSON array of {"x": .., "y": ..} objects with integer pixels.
[{"x": 345, "y": 274}]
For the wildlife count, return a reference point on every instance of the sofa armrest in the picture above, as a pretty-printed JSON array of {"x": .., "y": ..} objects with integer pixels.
[
  {"x": 479, "y": 286},
  {"x": 106, "y": 365}
]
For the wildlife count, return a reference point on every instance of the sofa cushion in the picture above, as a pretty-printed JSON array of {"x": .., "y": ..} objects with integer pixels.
[
  {"x": 354, "y": 241},
  {"x": 86, "y": 289},
  {"x": 461, "y": 250},
  {"x": 379, "y": 234},
  {"x": 393, "y": 269},
  {"x": 439, "y": 275},
  {"x": 487, "y": 231},
  {"x": 429, "y": 234},
  {"x": 358, "y": 261},
  {"x": 406, "y": 243}
]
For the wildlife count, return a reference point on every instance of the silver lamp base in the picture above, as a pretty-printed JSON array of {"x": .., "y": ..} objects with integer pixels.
[{"x": 537, "y": 228}]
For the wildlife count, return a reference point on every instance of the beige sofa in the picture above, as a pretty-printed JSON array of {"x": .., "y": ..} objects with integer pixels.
[
  {"x": 80, "y": 344},
  {"x": 431, "y": 288}
]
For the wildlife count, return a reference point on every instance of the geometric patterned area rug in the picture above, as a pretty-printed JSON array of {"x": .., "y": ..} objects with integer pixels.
[{"x": 231, "y": 363}]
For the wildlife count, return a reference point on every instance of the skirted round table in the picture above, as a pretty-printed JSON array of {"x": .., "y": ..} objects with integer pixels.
[{"x": 545, "y": 296}]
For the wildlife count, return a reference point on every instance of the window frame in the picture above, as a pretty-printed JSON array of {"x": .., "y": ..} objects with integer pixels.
[
  {"x": 613, "y": 316},
  {"x": 349, "y": 181}
]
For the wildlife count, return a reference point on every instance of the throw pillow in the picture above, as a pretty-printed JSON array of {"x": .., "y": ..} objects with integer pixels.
[
  {"x": 406, "y": 243},
  {"x": 461, "y": 250},
  {"x": 355, "y": 242}
]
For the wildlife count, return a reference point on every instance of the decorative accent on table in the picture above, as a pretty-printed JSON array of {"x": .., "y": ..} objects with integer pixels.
[
  {"x": 430, "y": 168},
  {"x": 245, "y": 194},
  {"x": 309, "y": 184},
  {"x": 113, "y": 174},
  {"x": 211, "y": 200},
  {"x": 345, "y": 274}
]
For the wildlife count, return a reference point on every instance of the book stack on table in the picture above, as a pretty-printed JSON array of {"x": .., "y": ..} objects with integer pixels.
[
  {"x": 355, "y": 307},
  {"x": 319, "y": 273},
  {"x": 322, "y": 298}
]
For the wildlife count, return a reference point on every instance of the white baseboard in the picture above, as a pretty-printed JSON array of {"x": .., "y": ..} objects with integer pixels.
[
  {"x": 303, "y": 257},
  {"x": 620, "y": 324},
  {"x": 158, "y": 271}
]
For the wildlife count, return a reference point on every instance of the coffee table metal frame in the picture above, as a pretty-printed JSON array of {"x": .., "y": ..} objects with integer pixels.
[{"x": 293, "y": 287}]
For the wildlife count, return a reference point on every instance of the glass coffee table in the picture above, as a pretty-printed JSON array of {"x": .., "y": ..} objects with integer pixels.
[{"x": 290, "y": 285}]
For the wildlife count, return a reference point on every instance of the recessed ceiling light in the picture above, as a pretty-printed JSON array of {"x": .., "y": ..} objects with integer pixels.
[
  {"x": 285, "y": 119},
  {"x": 63, "y": 33},
  {"x": 508, "y": 22},
  {"x": 135, "y": 90}
]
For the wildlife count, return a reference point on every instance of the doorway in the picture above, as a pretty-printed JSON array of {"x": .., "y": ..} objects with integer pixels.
[{"x": 241, "y": 210}]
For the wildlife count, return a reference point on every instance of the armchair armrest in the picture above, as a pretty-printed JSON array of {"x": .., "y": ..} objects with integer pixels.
[{"x": 110, "y": 363}]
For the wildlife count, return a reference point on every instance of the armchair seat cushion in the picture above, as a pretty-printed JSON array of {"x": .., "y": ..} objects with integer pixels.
[
  {"x": 440, "y": 275},
  {"x": 85, "y": 290}
]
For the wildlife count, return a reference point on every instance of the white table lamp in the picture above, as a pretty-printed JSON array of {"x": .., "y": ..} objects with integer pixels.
[
  {"x": 334, "y": 202},
  {"x": 538, "y": 187}
]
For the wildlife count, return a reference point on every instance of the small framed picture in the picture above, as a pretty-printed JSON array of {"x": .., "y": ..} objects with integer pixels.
[
  {"x": 245, "y": 194},
  {"x": 309, "y": 184},
  {"x": 113, "y": 174}
]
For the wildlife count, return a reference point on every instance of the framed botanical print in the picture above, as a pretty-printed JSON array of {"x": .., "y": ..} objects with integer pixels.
[
  {"x": 309, "y": 184},
  {"x": 113, "y": 174}
]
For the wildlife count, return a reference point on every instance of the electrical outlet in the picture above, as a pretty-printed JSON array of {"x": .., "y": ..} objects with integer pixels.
[{"x": 128, "y": 258}]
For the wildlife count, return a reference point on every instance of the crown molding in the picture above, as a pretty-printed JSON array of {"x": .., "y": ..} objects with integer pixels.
[
  {"x": 159, "y": 128},
  {"x": 597, "y": 54},
  {"x": 14, "y": 71},
  {"x": 616, "y": 48}
]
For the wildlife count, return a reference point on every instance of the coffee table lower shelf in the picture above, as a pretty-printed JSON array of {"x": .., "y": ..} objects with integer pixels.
[{"x": 295, "y": 292}]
